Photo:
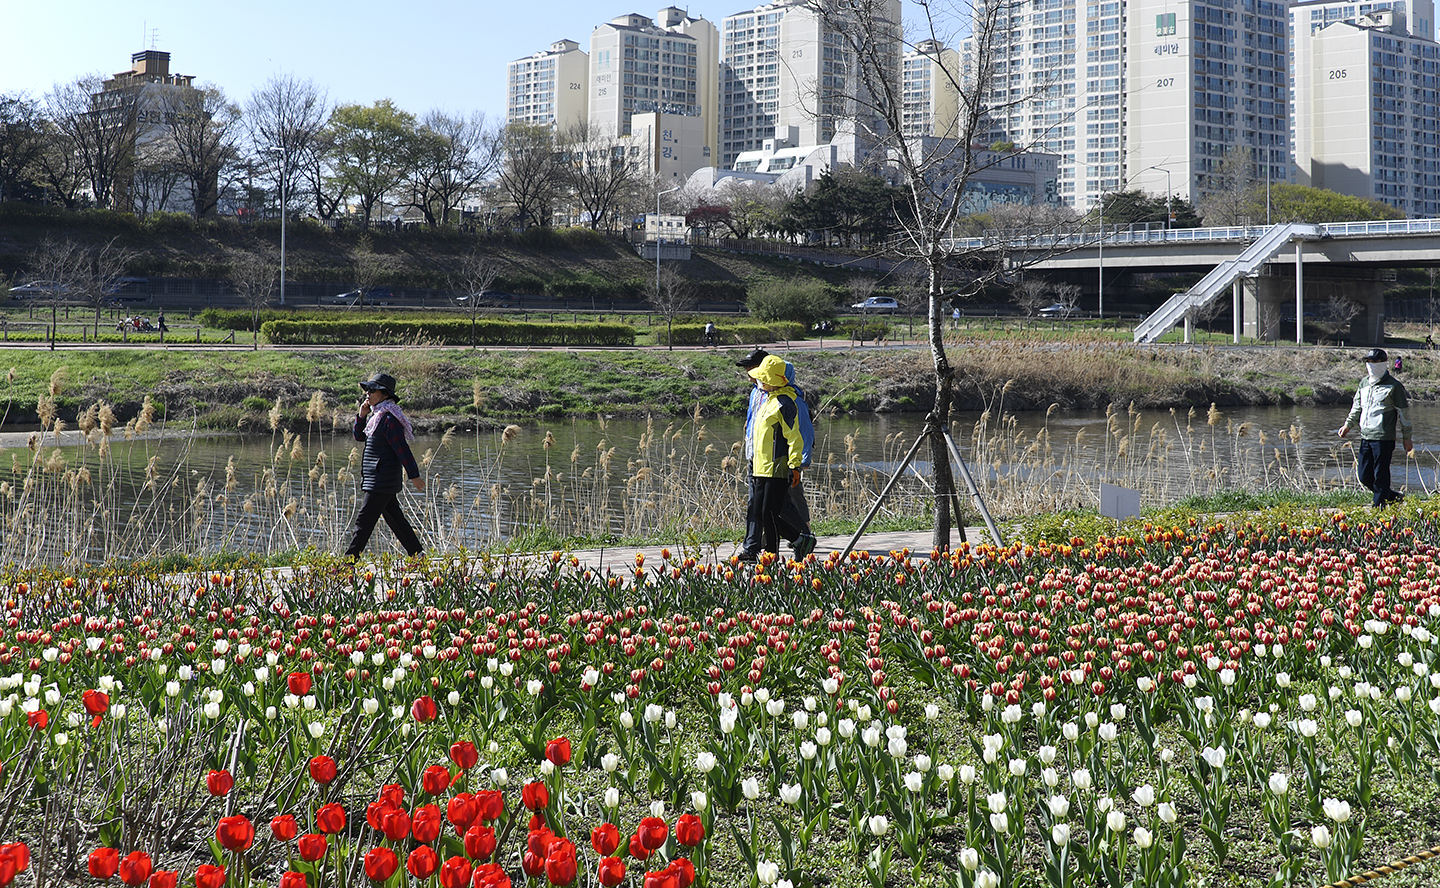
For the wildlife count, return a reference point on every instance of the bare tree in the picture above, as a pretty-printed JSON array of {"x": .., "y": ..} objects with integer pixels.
[
  {"x": 933, "y": 173},
  {"x": 369, "y": 266},
  {"x": 673, "y": 296},
  {"x": 60, "y": 172},
  {"x": 290, "y": 115},
  {"x": 254, "y": 276},
  {"x": 101, "y": 269},
  {"x": 203, "y": 129},
  {"x": 157, "y": 175},
  {"x": 452, "y": 156},
  {"x": 98, "y": 128},
  {"x": 598, "y": 170},
  {"x": 1228, "y": 194},
  {"x": 1031, "y": 294},
  {"x": 477, "y": 274},
  {"x": 64, "y": 266},
  {"x": 1068, "y": 295},
  {"x": 530, "y": 172}
]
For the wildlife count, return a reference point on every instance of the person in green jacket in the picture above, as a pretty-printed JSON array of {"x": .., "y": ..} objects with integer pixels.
[
  {"x": 1381, "y": 410},
  {"x": 778, "y": 451}
]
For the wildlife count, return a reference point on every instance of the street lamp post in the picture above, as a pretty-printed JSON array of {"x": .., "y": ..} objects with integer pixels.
[
  {"x": 284, "y": 175},
  {"x": 658, "y": 195}
]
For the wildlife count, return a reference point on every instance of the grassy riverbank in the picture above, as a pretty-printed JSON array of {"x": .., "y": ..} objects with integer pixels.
[{"x": 460, "y": 387}]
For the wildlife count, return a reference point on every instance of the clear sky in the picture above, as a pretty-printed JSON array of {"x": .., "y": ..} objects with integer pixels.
[{"x": 421, "y": 54}]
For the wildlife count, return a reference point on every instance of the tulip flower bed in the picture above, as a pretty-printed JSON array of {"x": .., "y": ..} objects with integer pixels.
[{"x": 1157, "y": 709}]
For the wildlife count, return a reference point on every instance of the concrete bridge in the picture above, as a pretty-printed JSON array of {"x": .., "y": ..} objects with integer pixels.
[{"x": 1263, "y": 268}]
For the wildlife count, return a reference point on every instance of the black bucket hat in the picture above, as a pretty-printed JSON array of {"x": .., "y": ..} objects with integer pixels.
[
  {"x": 380, "y": 382},
  {"x": 752, "y": 360},
  {"x": 1375, "y": 355}
]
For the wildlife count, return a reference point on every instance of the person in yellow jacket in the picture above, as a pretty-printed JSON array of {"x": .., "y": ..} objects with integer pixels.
[{"x": 778, "y": 450}]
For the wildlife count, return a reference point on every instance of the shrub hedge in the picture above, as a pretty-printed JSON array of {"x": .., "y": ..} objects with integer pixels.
[{"x": 387, "y": 331}]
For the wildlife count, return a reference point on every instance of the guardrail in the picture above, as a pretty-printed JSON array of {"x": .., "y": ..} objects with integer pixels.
[{"x": 1018, "y": 239}]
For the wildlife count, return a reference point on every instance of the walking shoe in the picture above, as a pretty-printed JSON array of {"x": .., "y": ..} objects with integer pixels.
[
  {"x": 804, "y": 545},
  {"x": 747, "y": 557}
]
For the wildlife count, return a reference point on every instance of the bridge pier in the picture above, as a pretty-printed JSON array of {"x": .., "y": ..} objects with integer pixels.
[{"x": 1340, "y": 295}]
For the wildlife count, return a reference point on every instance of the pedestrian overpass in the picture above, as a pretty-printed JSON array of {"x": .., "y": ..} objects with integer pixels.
[{"x": 1235, "y": 255}]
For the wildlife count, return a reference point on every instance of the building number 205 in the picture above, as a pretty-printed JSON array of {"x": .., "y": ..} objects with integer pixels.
[{"x": 1339, "y": 73}]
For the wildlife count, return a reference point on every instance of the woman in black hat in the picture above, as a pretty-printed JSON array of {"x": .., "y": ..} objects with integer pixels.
[{"x": 386, "y": 432}]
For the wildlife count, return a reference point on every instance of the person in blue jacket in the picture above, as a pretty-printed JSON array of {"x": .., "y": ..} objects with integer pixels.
[
  {"x": 779, "y": 409},
  {"x": 386, "y": 462}
]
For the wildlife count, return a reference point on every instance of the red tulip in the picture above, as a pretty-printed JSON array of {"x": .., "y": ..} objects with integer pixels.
[
  {"x": 535, "y": 795},
  {"x": 611, "y": 871},
  {"x": 135, "y": 868},
  {"x": 491, "y": 804},
  {"x": 684, "y": 872},
  {"x": 165, "y": 879},
  {"x": 665, "y": 878},
  {"x": 380, "y": 864},
  {"x": 637, "y": 848},
  {"x": 533, "y": 866},
  {"x": 455, "y": 873},
  {"x": 605, "y": 838},
  {"x": 422, "y": 862},
  {"x": 395, "y": 824},
  {"x": 491, "y": 875},
  {"x": 462, "y": 811},
  {"x": 292, "y": 879},
  {"x": 435, "y": 779},
  {"x": 283, "y": 827},
  {"x": 425, "y": 823},
  {"x": 560, "y": 864},
  {"x": 14, "y": 858},
  {"x": 96, "y": 703},
  {"x": 7, "y": 870},
  {"x": 219, "y": 783},
  {"x": 330, "y": 818},
  {"x": 376, "y": 812},
  {"x": 393, "y": 793},
  {"x": 689, "y": 831},
  {"x": 652, "y": 833},
  {"x": 557, "y": 751},
  {"x": 103, "y": 862},
  {"x": 208, "y": 875},
  {"x": 480, "y": 842},
  {"x": 464, "y": 754},
  {"x": 299, "y": 683},
  {"x": 37, "y": 719},
  {"x": 538, "y": 842},
  {"x": 312, "y": 846},
  {"x": 424, "y": 709},
  {"x": 235, "y": 833},
  {"x": 322, "y": 769}
]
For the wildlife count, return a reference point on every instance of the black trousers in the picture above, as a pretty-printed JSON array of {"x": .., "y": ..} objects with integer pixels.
[
  {"x": 1375, "y": 470},
  {"x": 385, "y": 505},
  {"x": 771, "y": 514}
]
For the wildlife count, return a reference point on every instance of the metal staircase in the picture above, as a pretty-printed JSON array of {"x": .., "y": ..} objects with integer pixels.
[{"x": 1221, "y": 277}]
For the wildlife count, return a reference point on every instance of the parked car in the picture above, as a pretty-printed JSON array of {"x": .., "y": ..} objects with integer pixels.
[
  {"x": 373, "y": 296},
  {"x": 877, "y": 303},
  {"x": 1058, "y": 310},
  {"x": 487, "y": 297},
  {"x": 39, "y": 288}
]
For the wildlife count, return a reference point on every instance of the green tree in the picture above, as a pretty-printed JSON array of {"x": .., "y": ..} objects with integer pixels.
[
  {"x": 20, "y": 144},
  {"x": 371, "y": 151},
  {"x": 850, "y": 205},
  {"x": 1131, "y": 207},
  {"x": 806, "y": 301},
  {"x": 1301, "y": 203}
]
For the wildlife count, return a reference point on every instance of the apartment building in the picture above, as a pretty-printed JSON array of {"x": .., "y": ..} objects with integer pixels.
[
  {"x": 783, "y": 65},
  {"x": 549, "y": 88},
  {"x": 930, "y": 84},
  {"x": 666, "y": 65},
  {"x": 1369, "y": 90}
]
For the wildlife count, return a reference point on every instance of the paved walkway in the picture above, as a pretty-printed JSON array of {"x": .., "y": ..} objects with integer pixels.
[{"x": 622, "y": 558}]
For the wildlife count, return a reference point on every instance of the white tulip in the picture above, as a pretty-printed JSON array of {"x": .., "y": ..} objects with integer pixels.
[
  {"x": 1143, "y": 838},
  {"x": 967, "y": 774},
  {"x": 1000, "y": 823},
  {"x": 1262, "y": 720},
  {"x": 1307, "y": 702},
  {"x": 1320, "y": 836},
  {"x": 750, "y": 788},
  {"x": 1337, "y": 810},
  {"x": 657, "y": 809},
  {"x": 1353, "y": 718},
  {"x": 699, "y": 800},
  {"x": 501, "y": 776},
  {"x": 969, "y": 858},
  {"x": 609, "y": 761},
  {"x": 705, "y": 761},
  {"x": 1018, "y": 767},
  {"x": 1166, "y": 812},
  {"x": 808, "y": 750},
  {"x": 1050, "y": 777},
  {"x": 879, "y": 824},
  {"x": 997, "y": 801},
  {"x": 1059, "y": 806},
  {"x": 986, "y": 879},
  {"x": 1115, "y": 821},
  {"x": 914, "y": 781},
  {"x": 1047, "y": 755},
  {"x": 822, "y": 736},
  {"x": 1279, "y": 783},
  {"x": 800, "y": 719},
  {"x": 1060, "y": 834},
  {"x": 1144, "y": 796},
  {"x": 612, "y": 797},
  {"x": 370, "y": 706},
  {"x": 767, "y": 873},
  {"x": 922, "y": 762},
  {"x": 1080, "y": 779},
  {"x": 316, "y": 729}
]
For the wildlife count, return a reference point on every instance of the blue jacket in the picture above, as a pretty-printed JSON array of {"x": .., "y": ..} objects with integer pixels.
[{"x": 807, "y": 428}]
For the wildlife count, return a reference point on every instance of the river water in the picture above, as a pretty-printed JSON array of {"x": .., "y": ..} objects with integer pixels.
[{"x": 538, "y": 481}]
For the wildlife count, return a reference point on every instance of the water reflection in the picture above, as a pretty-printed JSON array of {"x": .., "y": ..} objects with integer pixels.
[{"x": 621, "y": 477}]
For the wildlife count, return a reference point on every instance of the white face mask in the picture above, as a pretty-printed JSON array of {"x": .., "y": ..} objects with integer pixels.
[{"x": 1375, "y": 369}]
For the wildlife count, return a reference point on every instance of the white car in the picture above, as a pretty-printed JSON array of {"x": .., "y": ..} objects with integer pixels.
[
  {"x": 877, "y": 303},
  {"x": 1058, "y": 310},
  {"x": 39, "y": 288}
]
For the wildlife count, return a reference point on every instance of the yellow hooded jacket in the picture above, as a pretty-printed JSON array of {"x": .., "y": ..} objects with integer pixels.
[{"x": 775, "y": 437}]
